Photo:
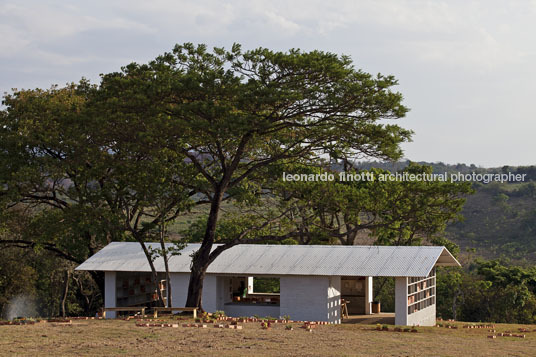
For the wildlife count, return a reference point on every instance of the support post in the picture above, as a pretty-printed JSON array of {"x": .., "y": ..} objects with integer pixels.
[
  {"x": 401, "y": 301},
  {"x": 250, "y": 284},
  {"x": 368, "y": 295},
  {"x": 109, "y": 293}
]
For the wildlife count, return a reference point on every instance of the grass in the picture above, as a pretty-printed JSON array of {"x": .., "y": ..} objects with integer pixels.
[
  {"x": 185, "y": 220},
  {"x": 118, "y": 337}
]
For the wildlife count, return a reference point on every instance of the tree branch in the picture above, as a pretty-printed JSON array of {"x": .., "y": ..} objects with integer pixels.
[{"x": 19, "y": 243}]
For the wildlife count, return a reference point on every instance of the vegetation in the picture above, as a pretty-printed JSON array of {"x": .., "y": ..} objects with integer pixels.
[
  {"x": 34, "y": 283},
  {"x": 205, "y": 138},
  {"x": 230, "y": 118},
  {"x": 266, "y": 285},
  {"x": 75, "y": 185},
  {"x": 389, "y": 212},
  {"x": 488, "y": 291},
  {"x": 499, "y": 222},
  {"x": 498, "y": 219}
]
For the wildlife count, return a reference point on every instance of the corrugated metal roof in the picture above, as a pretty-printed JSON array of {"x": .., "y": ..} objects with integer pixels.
[{"x": 256, "y": 259}]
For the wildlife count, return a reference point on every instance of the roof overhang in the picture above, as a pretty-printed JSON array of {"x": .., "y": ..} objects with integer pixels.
[{"x": 446, "y": 259}]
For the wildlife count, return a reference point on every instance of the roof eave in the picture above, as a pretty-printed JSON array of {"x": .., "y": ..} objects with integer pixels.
[{"x": 447, "y": 259}]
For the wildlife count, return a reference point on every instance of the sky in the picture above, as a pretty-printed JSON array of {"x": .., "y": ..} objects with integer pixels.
[{"x": 465, "y": 68}]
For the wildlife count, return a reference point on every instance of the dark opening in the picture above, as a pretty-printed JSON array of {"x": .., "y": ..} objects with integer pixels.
[{"x": 384, "y": 292}]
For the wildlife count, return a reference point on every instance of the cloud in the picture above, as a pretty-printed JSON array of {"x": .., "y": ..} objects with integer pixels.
[
  {"x": 461, "y": 63},
  {"x": 452, "y": 34},
  {"x": 35, "y": 25}
]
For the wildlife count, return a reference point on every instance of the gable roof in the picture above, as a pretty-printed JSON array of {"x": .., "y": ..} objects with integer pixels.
[{"x": 256, "y": 259}]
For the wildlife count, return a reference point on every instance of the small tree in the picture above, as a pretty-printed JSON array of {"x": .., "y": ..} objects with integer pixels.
[{"x": 165, "y": 252}]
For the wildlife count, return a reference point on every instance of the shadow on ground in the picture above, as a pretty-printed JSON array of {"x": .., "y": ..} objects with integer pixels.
[{"x": 387, "y": 318}]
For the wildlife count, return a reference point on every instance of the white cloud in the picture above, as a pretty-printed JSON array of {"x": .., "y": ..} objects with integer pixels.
[
  {"x": 463, "y": 65},
  {"x": 27, "y": 24}
]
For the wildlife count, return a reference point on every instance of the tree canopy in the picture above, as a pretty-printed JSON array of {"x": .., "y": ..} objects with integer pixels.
[
  {"x": 120, "y": 159},
  {"x": 236, "y": 115},
  {"x": 388, "y": 212}
]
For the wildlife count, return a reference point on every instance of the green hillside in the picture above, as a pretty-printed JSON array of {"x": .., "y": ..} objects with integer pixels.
[{"x": 499, "y": 221}]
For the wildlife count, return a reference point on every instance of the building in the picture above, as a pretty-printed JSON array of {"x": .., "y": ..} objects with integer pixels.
[{"x": 312, "y": 279}]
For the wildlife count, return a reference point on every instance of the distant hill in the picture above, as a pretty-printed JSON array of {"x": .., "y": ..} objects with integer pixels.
[
  {"x": 500, "y": 219},
  {"x": 439, "y": 167}
]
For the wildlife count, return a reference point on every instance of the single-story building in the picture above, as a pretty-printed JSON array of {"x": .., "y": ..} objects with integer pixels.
[{"x": 313, "y": 279}]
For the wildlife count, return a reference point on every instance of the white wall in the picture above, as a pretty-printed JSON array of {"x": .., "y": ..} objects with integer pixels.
[
  {"x": 424, "y": 317},
  {"x": 179, "y": 288},
  {"x": 210, "y": 293},
  {"x": 249, "y": 310},
  {"x": 225, "y": 291},
  {"x": 110, "y": 293},
  {"x": 302, "y": 297},
  {"x": 311, "y": 298},
  {"x": 211, "y": 288},
  {"x": 401, "y": 301}
]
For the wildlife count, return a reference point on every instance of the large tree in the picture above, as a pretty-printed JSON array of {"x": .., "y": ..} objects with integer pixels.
[
  {"x": 76, "y": 181},
  {"x": 101, "y": 163},
  {"x": 44, "y": 175},
  {"x": 236, "y": 115},
  {"x": 366, "y": 206}
]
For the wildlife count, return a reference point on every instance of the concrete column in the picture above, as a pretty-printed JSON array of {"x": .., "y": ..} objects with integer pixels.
[
  {"x": 109, "y": 292},
  {"x": 210, "y": 293},
  {"x": 401, "y": 301},
  {"x": 368, "y": 295},
  {"x": 250, "y": 284}
]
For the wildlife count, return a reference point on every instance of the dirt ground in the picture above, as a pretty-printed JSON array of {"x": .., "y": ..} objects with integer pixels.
[{"x": 119, "y": 337}]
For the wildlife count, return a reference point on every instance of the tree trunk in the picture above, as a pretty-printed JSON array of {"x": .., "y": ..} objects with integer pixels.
[
  {"x": 195, "y": 288},
  {"x": 201, "y": 259},
  {"x": 87, "y": 301},
  {"x": 65, "y": 292},
  {"x": 351, "y": 234},
  {"x": 166, "y": 264},
  {"x": 153, "y": 271},
  {"x": 380, "y": 288},
  {"x": 98, "y": 277},
  {"x": 168, "y": 289}
]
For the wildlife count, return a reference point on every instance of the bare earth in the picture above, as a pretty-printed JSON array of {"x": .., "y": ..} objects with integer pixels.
[{"x": 119, "y": 337}]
